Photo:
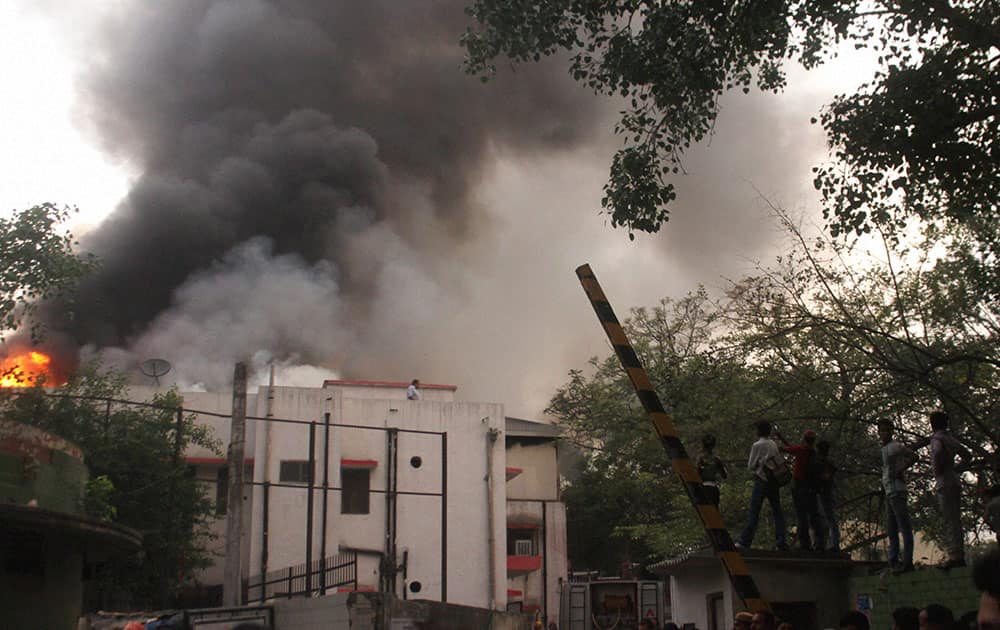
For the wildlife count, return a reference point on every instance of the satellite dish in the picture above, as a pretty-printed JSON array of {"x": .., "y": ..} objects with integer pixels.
[{"x": 155, "y": 368}]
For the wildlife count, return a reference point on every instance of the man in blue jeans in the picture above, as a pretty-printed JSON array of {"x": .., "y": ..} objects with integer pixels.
[
  {"x": 896, "y": 458},
  {"x": 763, "y": 455}
]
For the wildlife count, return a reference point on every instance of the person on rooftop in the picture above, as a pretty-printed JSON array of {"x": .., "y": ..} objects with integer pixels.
[
  {"x": 711, "y": 468},
  {"x": 805, "y": 495},
  {"x": 413, "y": 391},
  {"x": 948, "y": 486},
  {"x": 764, "y": 456},
  {"x": 896, "y": 459}
]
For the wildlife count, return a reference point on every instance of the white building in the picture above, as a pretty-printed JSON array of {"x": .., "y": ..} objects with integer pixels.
[{"x": 390, "y": 466}]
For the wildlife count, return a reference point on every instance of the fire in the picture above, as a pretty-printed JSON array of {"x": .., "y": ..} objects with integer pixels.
[{"x": 24, "y": 369}]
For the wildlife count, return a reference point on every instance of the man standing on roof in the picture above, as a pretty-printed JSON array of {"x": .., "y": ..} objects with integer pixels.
[
  {"x": 804, "y": 491},
  {"x": 896, "y": 459},
  {"x": 763, "y": 455},
  {"x": 413, "y": 391},
  {"x": 947, "y": 485}
]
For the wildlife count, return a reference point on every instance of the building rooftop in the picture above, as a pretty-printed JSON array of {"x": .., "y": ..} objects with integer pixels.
[
  {"x": 518, "y": 427},
  {"x": 707, "y": 557},
  {"x": 386, "y": 384}
]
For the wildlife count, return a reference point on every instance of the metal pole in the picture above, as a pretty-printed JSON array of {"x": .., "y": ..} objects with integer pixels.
[
  {"x": 545, "y": 563},
  {"x": 326, "y": 485},
  {"x": 687, "y": 473},
  {"x": 233, "y": 573},
  {"x": 263, "y": 543},
  {"x": 395, "y": 504},
  {"x": 309, "y": 506},
  {"x": 444, "y": 517}
]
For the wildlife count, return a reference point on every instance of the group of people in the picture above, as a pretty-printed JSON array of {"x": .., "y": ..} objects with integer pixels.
[
  {"x": 985, "y": 575},
  {"x": 897, "y": 458},
  {"x": 812, "y": 477}
]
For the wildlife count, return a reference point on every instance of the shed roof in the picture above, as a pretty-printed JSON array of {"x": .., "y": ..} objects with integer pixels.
[
  {"x": 518, "y": 427},
  {"x": 706, "y": 557}
]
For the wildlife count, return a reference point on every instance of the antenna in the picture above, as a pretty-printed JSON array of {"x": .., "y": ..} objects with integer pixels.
[{"x": 155, "y": 368}]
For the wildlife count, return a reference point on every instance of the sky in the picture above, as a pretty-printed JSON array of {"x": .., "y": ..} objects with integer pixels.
[{"x": 492, "y": 306}]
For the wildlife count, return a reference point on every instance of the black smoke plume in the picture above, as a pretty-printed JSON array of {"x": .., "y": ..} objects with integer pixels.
[{"x": 306, "y": 169}]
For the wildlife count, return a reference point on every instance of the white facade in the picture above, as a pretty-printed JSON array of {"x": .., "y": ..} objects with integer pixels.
[{"x": 481, "y": 502}]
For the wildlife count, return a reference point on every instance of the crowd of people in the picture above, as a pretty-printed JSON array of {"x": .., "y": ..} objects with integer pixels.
[{"x": 812, "y": 477}]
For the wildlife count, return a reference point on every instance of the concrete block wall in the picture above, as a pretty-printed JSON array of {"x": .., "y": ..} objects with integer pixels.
[
  {"x": 887, "y": 592},
  {"x": 333, "y": 612}
]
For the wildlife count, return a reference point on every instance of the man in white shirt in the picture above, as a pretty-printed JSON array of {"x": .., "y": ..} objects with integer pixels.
[
  {"x": 948, "y": 486},
  {"x": 896, "y": 458},
  {"x": 763, "y": 453},
  {"x": 413, "y": 391}
]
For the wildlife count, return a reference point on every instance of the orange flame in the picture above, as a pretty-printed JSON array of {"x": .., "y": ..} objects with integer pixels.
[{"x": 24, "y": 369}]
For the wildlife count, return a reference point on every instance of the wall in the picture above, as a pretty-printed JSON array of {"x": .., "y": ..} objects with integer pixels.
[
  {"x": 779, "y": 582},
  {"x": 50, "y": 598},
  {"x": 688, "y": 592},
  {"x": 418, "y": 517},
  {"x": 953, "y": 589},
  {"x": 384, "y": 390},
  {"x": 539, "y": 479},
  {"x": 36, "y": 465},
  {"x": 377, "y": 611}
]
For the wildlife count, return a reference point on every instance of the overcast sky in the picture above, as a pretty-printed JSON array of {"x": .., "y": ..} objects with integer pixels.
[{"x": 501, "y": 315}]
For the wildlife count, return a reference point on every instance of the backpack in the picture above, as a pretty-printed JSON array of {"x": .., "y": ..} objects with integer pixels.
[{"x": 777, "y": 471}]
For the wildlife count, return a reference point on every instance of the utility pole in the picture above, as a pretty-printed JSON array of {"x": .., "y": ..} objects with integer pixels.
[{"x": 232, "y": 584}]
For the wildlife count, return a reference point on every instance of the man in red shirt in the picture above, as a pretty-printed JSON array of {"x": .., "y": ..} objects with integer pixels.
[{"x": 805, "y": 494}]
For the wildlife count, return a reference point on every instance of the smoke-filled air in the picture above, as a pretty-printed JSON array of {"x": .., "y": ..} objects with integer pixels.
[{"x": 319, "y": 184}]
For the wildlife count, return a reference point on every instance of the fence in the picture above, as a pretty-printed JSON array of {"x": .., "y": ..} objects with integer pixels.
[{"x": 322, "y": 575}]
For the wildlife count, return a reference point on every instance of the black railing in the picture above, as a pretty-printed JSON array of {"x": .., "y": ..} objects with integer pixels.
[{"x": 322, "y": 575}]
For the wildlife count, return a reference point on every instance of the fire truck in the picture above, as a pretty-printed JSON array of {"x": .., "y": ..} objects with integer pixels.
[{"x": 593, "y": 603}]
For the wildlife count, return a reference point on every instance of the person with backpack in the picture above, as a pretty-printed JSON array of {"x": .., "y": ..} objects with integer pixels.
[
  {"x": 826, "y": 472},
  {"x": 770, "y": 472},
  {"x": 805, "y": 495}
]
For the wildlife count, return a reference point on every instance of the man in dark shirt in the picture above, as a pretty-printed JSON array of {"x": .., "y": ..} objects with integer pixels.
[{"x": 804, "y": 492}]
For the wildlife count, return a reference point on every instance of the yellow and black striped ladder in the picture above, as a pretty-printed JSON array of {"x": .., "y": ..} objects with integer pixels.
[{"x": 687, "y": 472}]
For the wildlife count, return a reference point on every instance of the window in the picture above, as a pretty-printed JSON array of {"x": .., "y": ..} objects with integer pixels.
[
  {"x": 521, "y": 542},
  {"x": 355, "y": 484},
  {"x": 294, "y": 471},
  {"x": 221, "y": 491}
]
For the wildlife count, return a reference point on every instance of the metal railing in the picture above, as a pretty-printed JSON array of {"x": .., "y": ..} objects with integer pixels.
[{"x": 322, "y": 575}]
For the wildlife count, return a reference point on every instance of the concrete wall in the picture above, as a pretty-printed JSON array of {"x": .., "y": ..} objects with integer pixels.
[
  {"x": 50, "y": 598},
  {"x": 36, "y": 465},
  {"x": 379, "y": 390},
  {"x": 688, "y": 592},
  {"x": 953, "y": 589},
  {"x": 539, "y": 479},
  {"x": 779, "y": 583},
  {"x": 377, "y": 611},
  {"x": 418, "y": 517}
]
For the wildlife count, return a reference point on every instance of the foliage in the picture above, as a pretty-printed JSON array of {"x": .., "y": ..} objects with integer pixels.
[
  {"x": 37, "y": 262},
  {"x": 138, "y": 451},
  {"x": 826, "y": 338},
  {"x": 919, "y": 139},
  {"x": 97, "y": 499}
]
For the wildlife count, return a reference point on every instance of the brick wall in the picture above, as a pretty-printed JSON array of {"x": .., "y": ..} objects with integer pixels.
[{"x": 887, "y": 592}]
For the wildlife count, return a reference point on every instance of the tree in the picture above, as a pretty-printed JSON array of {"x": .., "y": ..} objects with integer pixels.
[
  {"x": 919, "y": 140},
  {"x": 135, "y": 457},
  {"x": 37, "y": 263},
  {"x": 825, "y": 339}
]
